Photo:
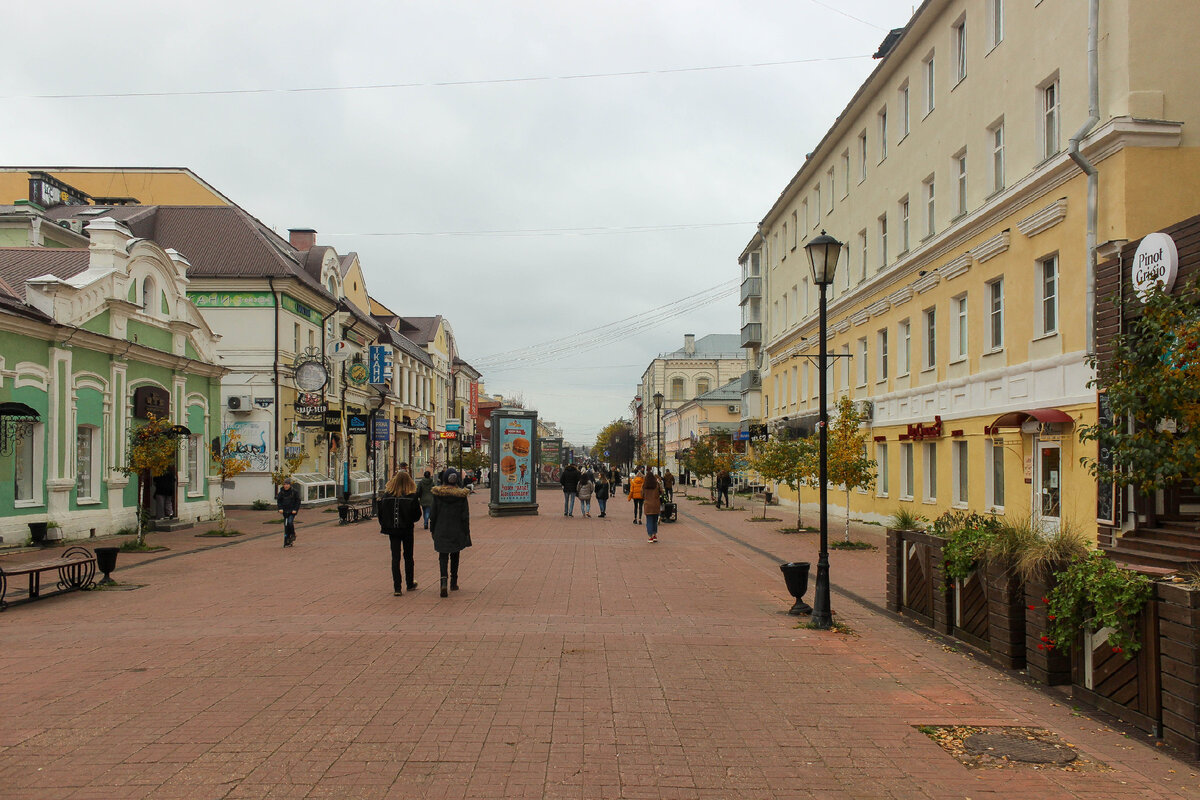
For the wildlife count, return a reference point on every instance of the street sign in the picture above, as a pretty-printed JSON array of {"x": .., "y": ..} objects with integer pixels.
[{"x": 380, "y": 360}]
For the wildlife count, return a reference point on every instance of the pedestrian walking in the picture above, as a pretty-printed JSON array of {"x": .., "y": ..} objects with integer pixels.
[
  {"x": 602, "y": 489},
  {"x": 570, "y": 485},
  {"x": 288, "y": 500},
  {"x": 399, "y": 511},
  {"x": 616, "y": 480},
  {"x": 450, "y": 525},
  {"x": 652, "y": 503},
  {"x": 724, "y": 481},
  {"x": 635, "y": 494},
  {"x": 668, "y": 482},
  {"x": 587, "y": 487},
  {"x": 425, "y": 490}
]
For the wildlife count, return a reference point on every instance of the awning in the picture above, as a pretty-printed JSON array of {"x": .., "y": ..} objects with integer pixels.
[
  {"x": 1015, "y": 419},
  {"x": 18, "y": 410}
]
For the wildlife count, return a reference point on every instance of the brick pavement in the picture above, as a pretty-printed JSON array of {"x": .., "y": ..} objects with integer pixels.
[{"x": 577, "y": 661}]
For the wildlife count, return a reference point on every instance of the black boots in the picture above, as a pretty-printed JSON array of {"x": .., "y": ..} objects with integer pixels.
[{"x": 444, "y": 592}]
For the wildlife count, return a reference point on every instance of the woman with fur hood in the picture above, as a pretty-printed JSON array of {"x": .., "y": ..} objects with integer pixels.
[{"x": 450, "y": 524}]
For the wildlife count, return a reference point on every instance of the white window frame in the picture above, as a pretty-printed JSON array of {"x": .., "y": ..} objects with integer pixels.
[
  {"x": 997, "y": 144},
  {"x": 962, "y": 332},
  {"x": 785, "y": 398},
  {"x": 883, "y": 240},
  {"x": 993, "y": 452},
  {"x": 995, "y": 313},
  {"x": 881, "y": 469},
  {"x": 845, "y": 383},
  {"x": 930, "y": 206},
  {"x": 905, "y": 210},
  {"x": 829, "y": 175},
  {"x": 846, "y": 173},
  {"x": 960, "y": 462},
  {"x": 960, "y": 50},
  {"x": 806, "y": 295},
  {"x": 881, "y": 358},
  {"x": 929, "y": 337},
  {"x": 87, "y": 484},
  {"x": 863, "y": 354},
  {"x": 904, "y": 350},
  {"x": 795, "y": 390},
  {"x": 929, "y": 462},
  {"x": 783, "y": 255},
  {"x": 996, "y": 21},
  {"x": 905, "y": 100},
  {"x": 863, "y": 249},
  {"x": 1048, "y": 277},
  {"x": 817, "y": 205},
  {"x": 907, "y": 471},
  {"x": 883, "y": 131},
  {"x": 1050, "y": 117},
  {"x": 31, "y": 447},
  {"x": 862, "y": 156},
  {"x": 195, "y": 462},
  {"x": 960, "y": 164},
  {"x": 928, "y": 70},
  {"x": 804, "y": 205}
]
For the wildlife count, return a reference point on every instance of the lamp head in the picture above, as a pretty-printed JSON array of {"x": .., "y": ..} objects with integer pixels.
[
  {"x": 658, "y": 399},
  {"x": 823, "y": 254}
]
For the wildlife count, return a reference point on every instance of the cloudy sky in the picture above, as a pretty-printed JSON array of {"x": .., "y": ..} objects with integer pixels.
[{"x": 552, "y": 177}]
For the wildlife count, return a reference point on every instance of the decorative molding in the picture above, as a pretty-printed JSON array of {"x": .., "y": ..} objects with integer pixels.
[
  {"x": 879, "y": 308},
  {"x": 992, "y": 247},
  {"x": 958, "y": 266},
  {"x": 901, "y": 297},
  {"x": 841, "y": 326},
  {"x": 1045, "y": 219},
  {"x": 1111, "y": 249},
  {"x": 927, "y": 281},
  {"x": 861, "y": 318}
]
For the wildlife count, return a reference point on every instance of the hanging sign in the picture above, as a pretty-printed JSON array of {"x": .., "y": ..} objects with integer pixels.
[
  {"x": 339, "y": 350},
  {"x": 357, "y": 373},
  {"x": 383, "y": 429},
  {"x": 333, "y": 421},
  {"x": 1155, "y": 265},
  {"x": 356, "y": 425},
  {"x": 380, "y": 359}
]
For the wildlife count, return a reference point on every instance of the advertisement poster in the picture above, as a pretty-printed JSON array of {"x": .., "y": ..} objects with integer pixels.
[
  {"x": 253, "y": 444},
  {"x": 550, "y": 469},
  {"x": 516, "y": 460}
]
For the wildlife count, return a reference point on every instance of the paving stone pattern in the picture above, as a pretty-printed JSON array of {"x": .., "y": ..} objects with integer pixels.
[{"x": 577, "y": 661}]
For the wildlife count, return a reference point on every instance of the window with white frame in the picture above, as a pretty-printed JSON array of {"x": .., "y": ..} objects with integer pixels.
[
  {"x": 1048, "y": 292},
  {"x": 783, "y": 255},
  {"x": 904, "y": 347},
  {"x": 795, "y": 303},
  {"x": 904, "y": 234},
  {"x": 905, "y": 113},
  {"x": 862, "y": 248},
  {"x": 995, "y": 300},
  {"x": 883, "y": 241},
  {"x": 296, "y": 337},
  {"x": 845, "y": 359},
  {"x": 960, "y": 326},
  {"x": 960, "y": 164},
  {"x": 829, "y": 187},
  {"x": 27, "y": 464},
  {"x": 149, "y": 295},
  {"x": 87, "y": 463},
  {"x": 862, "y": 156},
  {"x": 195, "y": 464},
  {"x": 881, "y": 348},
  {"x": 1050, "y": 118},
  {"x": 845, "y": 172},
  {"x": 960, "y": 49},
  {"x": 930, "y": 472},
  {"x": 959, "y": 462},
  {"x": 805, "y": 294},
  {"x": 804, "y": 209},
  {"x": 312, "y": 337},
  {"x": 930, "y": 321},
  {"x": 930, "y": 208},
  {"x": 785, "y": 397},
  {"x": 997, "y": 137},
  {"x": 795, "y": 230},
  {"x": 678, "y": 389},
  {"x": 804, "y": 394},
  {"x": 817, "y": 205},
  {"x": 994, "y": 462},
  {"x": 996, "y": 20},
  {"x": 784, "y": 318},
  {"x": 927, "y": 67},
  {"x": 795, "y": 384},
  {"x": 776, "y": 393},
  {"x": 862, "y": 361},
  {"x": 907, "y": 473},
  {"x": 883, "y": 133},
  {"x": 881, "y": 469},
  {"x": 775, "y": 318}
]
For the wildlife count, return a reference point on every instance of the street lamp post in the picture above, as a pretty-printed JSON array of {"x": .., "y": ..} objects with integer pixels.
[
  {"x": 823, "y": 253},
  {"x": 658, "y": 401}
]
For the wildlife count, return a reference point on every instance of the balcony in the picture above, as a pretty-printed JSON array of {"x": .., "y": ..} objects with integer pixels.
[
  {"x": 751, "y": 334},
  {"x": 751, "y": 287}
]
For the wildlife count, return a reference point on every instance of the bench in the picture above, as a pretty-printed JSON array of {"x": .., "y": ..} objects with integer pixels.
[
  {"x": 356, "y": 510},
  {"x": 76, "y": 568}
]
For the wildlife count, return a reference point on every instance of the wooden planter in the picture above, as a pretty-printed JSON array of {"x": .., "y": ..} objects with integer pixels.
[
  {"x": 1127, "y": 688},
  {"x": 1006, "y": 615},
  {"x": 916, "y": 585},
  {"x": 1051, "y": 666},
  {"x": 1179, "y": 662}
]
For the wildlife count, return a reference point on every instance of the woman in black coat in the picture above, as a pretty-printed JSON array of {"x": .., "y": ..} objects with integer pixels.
[
  {"x": 399, "y": 510},
  {"x": 450, "y": 524}
]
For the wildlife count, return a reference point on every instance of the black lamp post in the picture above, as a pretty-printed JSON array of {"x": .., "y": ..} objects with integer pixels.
[
  {"x": 823, "y": 253},
  {"x": 658, "y": 401}
]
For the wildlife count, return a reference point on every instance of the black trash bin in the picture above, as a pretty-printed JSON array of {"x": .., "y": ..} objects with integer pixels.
[
  {"x": 795, "y": 575},
  {"x": 106, "y": 562}
]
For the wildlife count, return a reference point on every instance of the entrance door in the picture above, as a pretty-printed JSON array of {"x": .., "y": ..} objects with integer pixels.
[{"x": 1047, "y": 500}]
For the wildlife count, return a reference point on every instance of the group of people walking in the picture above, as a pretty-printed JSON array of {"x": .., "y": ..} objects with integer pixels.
[{"x": 646, "y": 490}]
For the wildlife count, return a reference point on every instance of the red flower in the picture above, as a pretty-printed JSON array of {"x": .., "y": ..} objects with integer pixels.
[
  {"x": 1118, "y": 650},
  {"x": 1045, "y": 638},
  {"x": 1041, "y": 647},
  {"x": 1045, "y": 599},
  {"x": 1033, "y": 608},
  {"x": 1050, "y": 616}
]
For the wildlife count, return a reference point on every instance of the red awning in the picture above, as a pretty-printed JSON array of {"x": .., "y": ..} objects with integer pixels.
[{"x": 1015, "y": 419}]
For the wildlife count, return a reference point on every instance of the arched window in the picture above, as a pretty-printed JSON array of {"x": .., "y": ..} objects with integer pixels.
[
  {"x": 332, "y": 287},
  {"x": 701, "y": 386},
  {"x": 149, "y": 295},
  {"x": 677, "y": 389}
]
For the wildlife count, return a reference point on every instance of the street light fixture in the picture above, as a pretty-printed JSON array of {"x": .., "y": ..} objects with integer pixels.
[
  {"x": 823, "y": 254},
  {"x": 658, "y": 401}
]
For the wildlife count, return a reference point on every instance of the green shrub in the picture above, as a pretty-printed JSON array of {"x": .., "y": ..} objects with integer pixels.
[
  {"x": 970, "y": 539},
  {"x": 905, "y": 520},
  {"x": 1094, "y": 593},
  {"x": 261, "y": 505}
]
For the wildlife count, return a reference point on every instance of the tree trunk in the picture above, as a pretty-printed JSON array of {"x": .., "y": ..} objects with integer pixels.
[{"x": 847, "y": 513}]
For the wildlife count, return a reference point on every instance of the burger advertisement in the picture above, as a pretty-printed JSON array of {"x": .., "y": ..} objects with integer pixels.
[{"x": 516, "y": 461}]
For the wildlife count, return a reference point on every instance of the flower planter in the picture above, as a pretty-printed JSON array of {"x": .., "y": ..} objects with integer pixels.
[
  {"x": 1006, "y": 615},
  {"x": 1179, "y": 664},
  {"x": 916, "y": 585},
  {"x": 1047, "y": 665}
]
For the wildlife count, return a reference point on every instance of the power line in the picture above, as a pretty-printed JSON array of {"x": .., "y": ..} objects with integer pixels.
[
  {"x": 836, "y": 10},
  {"x": 426, "y": 84},
  {"x": 592, "y": 231}
]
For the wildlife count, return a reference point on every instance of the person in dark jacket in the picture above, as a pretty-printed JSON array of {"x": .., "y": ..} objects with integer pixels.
[
  {"x": 652, "y": 504},
  {"x": 570, "y": 485},
  {"x": 425, "y": 488},
  {"x": 724, "y": 481},
  {"x": 288, "y": 500},
  {"x": 450, "y": 525},
  {"x": 399, "y": 510},
  {"x": 602, "y": 493}
]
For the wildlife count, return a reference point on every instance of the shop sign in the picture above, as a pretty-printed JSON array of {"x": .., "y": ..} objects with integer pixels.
[
  {"x": 474, "y": 406},
  {"x": 339, "y": 350},
  {"x": 333, "y": 421},
  {"x": 293, "y": 305},
  {"x": 452, "y": 425},
  {"x": 380, "y": 359},
  {"x": 264, "y": 402},
  {"x": 291, "y": 451},
  {"x": 1155, "y": 265},
  {"x": 357, "y": 373},
  {"x": 448, "y": 435},
  {"x": 232, "y": 299},
  {"x": 356, "y": 425},
  {"x": 383, "y": 430},
  {"x": 149, "y": 400},
  {"x": 918, "y": 431}
]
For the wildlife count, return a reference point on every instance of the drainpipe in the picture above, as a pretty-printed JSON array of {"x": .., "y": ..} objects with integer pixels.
[
  {"x": 1090, "y": 170},
  {"x": 275, "y": 367}
]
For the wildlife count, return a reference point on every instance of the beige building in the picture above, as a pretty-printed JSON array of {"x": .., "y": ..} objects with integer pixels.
[
  {"x": 717, "y": 412},
  {"x": 962, "y": 306}
]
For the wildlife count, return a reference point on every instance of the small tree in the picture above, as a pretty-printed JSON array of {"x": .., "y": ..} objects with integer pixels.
[
  {"x": 475, "y": 459},
  {"x": 153, "y": 449},
  {"x": 791, "y": 462},
  {"x": 701, "y": 462},
  {"x": 290, "y": 465},
  {"x": 231, "y": 463},
  {"x": 848, "y": 461}
]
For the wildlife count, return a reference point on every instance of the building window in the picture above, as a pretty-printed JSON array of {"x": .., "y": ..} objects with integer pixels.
[
  {"x": 881, "y": 469},
  {"x": 997, "y": 132},
  {"x": 829, "y": 185},
  {"x": 795, "y": 231},
  {"x": 862, "y": 156},
  {"x": 959, "y": 464},
  {"x": 194, "y": 464},
  {"x": 960, "y": 162},
  {"x": 997, "y": 21},
  {"x": 701, "y": 386},
  {"x": 1050, "y": 111},
  {"x": 903, "y": 354},
  {"x": 930, "y": 338},
  {"x": 930, "y": 472},
  {"x": 906, "y": 471},
  {"x": 883, "y": 244},
  {"x": 817, "y": 205},
  {"x": 862, "y": 246},
  {"x": 960, "y": 326},
  {"x": 845, "y": 359},
  {"x": 845, "y": 173},
  {"x": 87, "y": 456},
  {"x": 905, "y": 115},
  {"x": 1048, "y": 275},
  {"x": 996, "y": 314},
  {"x": 311, "y": 338},
  {"x": 883, "y": 140},
  {"x": 994, "y": 459},
  {"x": 804, "y": 293},
  {"x": 881, "y": 345},
  {"x": 677, "y": 389},
  {"x": 785, "y": 397},
  {"x": 26, "y": 456},
  {"x": 928, "y": 66},
  {"x": 783, "y": 255},
  {"x": 930, "y": 210},
  {"x": 296, "y": 337},
  {"x": 904, "y": 238},
  {"x": 148, "y": 295},
  {"x": 960, "y": 50},
  {"x": 862, "y": 361},
  {"x": 796, "y": 395}
]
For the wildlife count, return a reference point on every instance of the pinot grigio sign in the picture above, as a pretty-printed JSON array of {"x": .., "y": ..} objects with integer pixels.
[{"x": 1155, "y": 265}]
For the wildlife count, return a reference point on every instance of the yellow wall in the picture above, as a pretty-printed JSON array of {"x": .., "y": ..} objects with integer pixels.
[{"x": 150, "y": 187}]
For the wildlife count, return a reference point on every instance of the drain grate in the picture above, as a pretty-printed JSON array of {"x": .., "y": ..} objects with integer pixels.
[
  {"x": 1028, "y": 748},
  {"x": 983, "y": 747}
]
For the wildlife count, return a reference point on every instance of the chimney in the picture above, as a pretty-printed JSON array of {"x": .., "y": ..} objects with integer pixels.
[
  {"x": 302, "y": 238},
  {"x": 689, "y": 344}
]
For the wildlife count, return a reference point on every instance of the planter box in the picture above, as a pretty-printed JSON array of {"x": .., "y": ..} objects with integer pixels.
[
  {"x": 1179, "y": 664},
  {"x": 1006, "y": 615},
  {"x": 916, "y": 585},
  {"x": 1050, "y": 666},
  {"x": 1127, "y": 688}
]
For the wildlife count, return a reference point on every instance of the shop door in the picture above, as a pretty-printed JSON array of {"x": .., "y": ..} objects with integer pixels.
[{"x": 1047, "y": 486}]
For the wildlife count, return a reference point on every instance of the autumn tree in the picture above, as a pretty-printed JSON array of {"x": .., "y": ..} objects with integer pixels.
[
  {"x": 230, "y": 463},
  {"x": 153, "y": 450},
  {"x": 848, "y": 463},
  {"x": 791, "y": 462},
  {"x": 617, "y": 438}
]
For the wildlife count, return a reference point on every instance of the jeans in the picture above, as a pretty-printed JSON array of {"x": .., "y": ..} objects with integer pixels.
[
  {"x": 652, "y": 524},
  {"x": 637, "y": 508},
  {"x": 585, "y": 506},
  {"x": 722, "y": 492},
  {"x": 425, "y": 514},
  {"x": 568, "y": 502},
  {"x": 451, "y": 560},
  {"x": 402, "y": 548},
  {"x": 603, "y": 502},
  {"x": 289, "y": 526}
]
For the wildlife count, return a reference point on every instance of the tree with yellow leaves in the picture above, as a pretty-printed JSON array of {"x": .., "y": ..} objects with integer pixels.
[{"x": 848, "y": 464}]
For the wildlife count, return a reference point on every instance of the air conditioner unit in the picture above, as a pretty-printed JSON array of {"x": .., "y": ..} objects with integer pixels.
[
  {"x": 238, "y": 402},
  {"x": 734, "y": 409},
  {"x": 866, "y": 408}
]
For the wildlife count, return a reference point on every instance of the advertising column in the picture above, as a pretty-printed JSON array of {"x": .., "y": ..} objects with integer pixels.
[{"x": 514, "y": 482}]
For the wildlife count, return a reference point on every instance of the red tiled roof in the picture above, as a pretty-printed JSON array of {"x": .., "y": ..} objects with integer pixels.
[{"x": 19, "y": 264}]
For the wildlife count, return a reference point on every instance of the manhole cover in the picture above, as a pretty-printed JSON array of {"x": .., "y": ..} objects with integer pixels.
[{"x": 1017, "y": 747}]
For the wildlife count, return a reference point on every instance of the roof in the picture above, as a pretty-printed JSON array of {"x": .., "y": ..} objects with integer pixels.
[
  {"x": 723, "y": 394},
  {"x": 714, "y": 345},
  {"x": 421, "y": 330},
  {"x": 19, "y": 264},
  {"x": 405, "y": 344}
]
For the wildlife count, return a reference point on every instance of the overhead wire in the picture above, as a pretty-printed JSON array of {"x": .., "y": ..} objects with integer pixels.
[{"x": 589, "y": 231}]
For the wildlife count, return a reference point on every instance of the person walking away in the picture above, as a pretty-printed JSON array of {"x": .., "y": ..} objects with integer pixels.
[
  {"x": 450, "y": 525},
  {"x": 587, "y": 487},
  {"x": 425, "y": 490},
  {"x": 616, "y": 480},
  {"x": 652, "y": 500},
  {"x": 635, "y": 494},
  {"x": 668, "y": 482},
  {"x": 288, "y": 500},
  {"x": 601, "y": 492},
  {"x": 399, "y": 511},
  {"x": 570, "y": 485},
  {"x": 724, "y": 481}
]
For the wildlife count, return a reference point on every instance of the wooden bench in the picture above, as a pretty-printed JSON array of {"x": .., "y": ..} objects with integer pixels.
[
  {"x": 76, "y": 568},
  {"x": 356, "y": 510}
]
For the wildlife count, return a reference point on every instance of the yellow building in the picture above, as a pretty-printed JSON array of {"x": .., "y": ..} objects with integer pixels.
[{"x": 963, "y": 305}]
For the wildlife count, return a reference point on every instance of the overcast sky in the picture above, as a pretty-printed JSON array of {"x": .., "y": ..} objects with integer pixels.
[{"x": 534, "y": 170}]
